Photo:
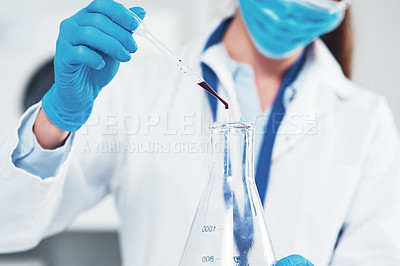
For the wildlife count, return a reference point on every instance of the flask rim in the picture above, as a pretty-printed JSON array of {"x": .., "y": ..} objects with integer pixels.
[{"x": 232, "y": 127}]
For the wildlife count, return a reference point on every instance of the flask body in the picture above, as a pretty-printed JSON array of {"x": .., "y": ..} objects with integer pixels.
[{"x": 229, "y": 227}]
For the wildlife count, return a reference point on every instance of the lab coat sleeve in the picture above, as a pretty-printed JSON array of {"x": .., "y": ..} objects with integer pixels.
[
  {"x": 32, "y": 208},
  {"x": 371, "y": 233},
  {"x": 30, "y": 156}
]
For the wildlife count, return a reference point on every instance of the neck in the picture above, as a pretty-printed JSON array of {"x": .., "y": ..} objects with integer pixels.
[{"x": 268, "y": 72}]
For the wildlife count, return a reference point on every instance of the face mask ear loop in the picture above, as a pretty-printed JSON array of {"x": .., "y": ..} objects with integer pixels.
[
  {"x": 342, "y": 5},
  {"x": 347, "y": 3}
]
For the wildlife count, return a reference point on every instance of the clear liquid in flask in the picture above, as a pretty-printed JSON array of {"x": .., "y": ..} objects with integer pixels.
[{"x": 229, "y": 228}]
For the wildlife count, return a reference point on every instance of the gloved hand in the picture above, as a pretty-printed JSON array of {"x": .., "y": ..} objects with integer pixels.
[
  {"x": 294, "y": 260},
  {"x": 90, "y": 46}
]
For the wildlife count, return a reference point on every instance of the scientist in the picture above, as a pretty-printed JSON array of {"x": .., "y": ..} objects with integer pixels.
[{"x": 328, "y": 160}]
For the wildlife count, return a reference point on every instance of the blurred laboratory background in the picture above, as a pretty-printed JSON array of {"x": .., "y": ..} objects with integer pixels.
[{"x": 28, "y": 33}]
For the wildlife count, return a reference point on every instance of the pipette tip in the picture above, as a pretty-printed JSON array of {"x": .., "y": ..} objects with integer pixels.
[{"x": 208, "y": 88}]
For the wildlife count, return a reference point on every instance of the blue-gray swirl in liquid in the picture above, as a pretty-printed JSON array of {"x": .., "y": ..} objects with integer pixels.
[{"x": 243, "y": 227}]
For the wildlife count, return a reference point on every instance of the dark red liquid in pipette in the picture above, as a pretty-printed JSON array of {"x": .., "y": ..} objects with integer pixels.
[{"x": 208, "y": 88}]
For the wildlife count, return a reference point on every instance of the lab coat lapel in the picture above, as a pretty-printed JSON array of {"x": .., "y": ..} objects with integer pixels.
[
  {"x": 320, "y": 86},
  {"x": 214, "y": 58}
]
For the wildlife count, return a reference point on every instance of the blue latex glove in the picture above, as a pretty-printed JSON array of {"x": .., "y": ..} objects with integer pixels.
[
  {"x": 90, "y": 46},
  {"x": 294, "y": 260}
]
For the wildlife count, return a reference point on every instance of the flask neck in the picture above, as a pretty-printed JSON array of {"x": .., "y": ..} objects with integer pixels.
[
  {"x": 233, "y": 150},
  {"x": 234, "y": 163},
  {"x": 229, "y": 227}
]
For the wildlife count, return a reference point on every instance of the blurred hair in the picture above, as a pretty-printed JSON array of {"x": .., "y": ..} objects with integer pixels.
[{"x": 340, "y": 43}]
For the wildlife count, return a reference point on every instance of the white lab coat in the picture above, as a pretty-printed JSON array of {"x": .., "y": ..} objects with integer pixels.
[{"x": 335, "y": 165}]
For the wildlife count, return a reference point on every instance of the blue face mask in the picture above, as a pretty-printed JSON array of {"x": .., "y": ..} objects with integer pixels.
[{"x": 280, "y": 28}]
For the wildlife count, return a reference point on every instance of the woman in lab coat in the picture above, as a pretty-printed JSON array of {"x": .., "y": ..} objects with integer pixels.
[{"x": 333, "y": 183}]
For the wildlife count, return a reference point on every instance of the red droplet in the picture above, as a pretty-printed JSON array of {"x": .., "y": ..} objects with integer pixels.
[{"x": 208, "y": 88}]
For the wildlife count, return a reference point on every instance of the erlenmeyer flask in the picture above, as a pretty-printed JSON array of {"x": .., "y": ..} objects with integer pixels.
[{"x": 229, "y": 227}]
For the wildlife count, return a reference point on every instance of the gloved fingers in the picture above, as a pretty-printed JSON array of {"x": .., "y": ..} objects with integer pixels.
[
  {"x": 294, "y": 260},
  {"x": 104, "y": 24},
  {"x": 114, "y": 11},
  {"x": 98, "y": 40},
  {"x": 139, "y": 11},
  {"x": 81, "y": 55}
]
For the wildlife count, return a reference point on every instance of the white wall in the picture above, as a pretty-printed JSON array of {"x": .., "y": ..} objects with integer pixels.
[
  {"x": 377, "y": 53},
  {"x": 28, "y": 31}
]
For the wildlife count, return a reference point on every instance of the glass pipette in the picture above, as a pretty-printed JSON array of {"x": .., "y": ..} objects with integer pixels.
[{"x": 143, "y": 31}]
